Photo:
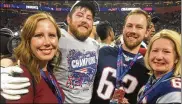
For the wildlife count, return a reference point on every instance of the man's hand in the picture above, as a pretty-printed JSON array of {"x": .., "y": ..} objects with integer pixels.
[{"x": 12, "y": 87}]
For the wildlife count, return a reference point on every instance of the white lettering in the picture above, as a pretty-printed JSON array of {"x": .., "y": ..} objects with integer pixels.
[
  {"x": 83, "y": 62},
  {"x": 128, "y": 9},
  {"x": 31, "y": 7}
]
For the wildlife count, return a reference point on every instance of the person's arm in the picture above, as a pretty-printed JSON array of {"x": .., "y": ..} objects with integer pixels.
[
  {"x": 27, "y": 97},
  {"x": 12, "y": 87},
  {"x": 170, "y": 98}
]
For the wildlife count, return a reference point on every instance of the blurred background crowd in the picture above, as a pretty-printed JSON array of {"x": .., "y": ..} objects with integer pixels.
[{"x": 168, "y": 12}]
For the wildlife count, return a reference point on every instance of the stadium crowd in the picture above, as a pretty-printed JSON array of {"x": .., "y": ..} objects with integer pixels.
[{"x": 13, "y": 19}]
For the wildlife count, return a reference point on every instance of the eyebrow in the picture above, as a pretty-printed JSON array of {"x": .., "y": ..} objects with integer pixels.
[{"x": 136, "y": 24}]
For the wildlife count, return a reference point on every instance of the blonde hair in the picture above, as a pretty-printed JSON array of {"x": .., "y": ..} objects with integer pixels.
[
  {"x": 176, "y": 39},
  {"x": 23, "y": 52}
]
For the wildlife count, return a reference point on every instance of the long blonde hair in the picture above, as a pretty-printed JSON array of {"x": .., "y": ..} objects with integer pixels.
[{"x": 23, "y": 52}]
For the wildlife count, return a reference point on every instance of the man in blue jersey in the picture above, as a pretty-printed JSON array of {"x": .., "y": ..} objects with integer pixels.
[{"x": 121, "y": 68}]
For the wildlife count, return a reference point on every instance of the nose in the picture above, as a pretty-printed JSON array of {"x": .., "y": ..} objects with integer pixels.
[
  {"x": 84, "y": 20},
  {"x": 159, "y": 56},
  {"x": 47, "y": 41},
  {"x": 133, "y": 30}
]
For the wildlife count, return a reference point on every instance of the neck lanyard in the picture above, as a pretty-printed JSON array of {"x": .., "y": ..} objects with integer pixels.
[
  {"x": 52, "y": 84},
  {"x": 121, "y": 70},
  {"x": 150, "y": 86}
]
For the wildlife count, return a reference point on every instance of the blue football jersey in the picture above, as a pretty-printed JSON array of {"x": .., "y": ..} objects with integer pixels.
[
  {"x": 105, "y": 80},
  {"x": 168, "y": 91}
]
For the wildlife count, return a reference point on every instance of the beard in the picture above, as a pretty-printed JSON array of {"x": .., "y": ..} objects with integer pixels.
[
  {"x": 131, "y": 45},
  {"x": 82, "y": 36}
]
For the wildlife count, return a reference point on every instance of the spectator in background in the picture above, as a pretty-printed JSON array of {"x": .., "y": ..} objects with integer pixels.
[
  {"x": 39, "y": 44},
  {"x": 118, "y": 40},
  {"x": 122, "y": 68},
  {"x": 150, "y": 34},
  {"x": 163, "y": 61},
  {"x": 105, "y": 32},
  {"x": 94, "y": 34},
  {"x": 152, "y": 30}
]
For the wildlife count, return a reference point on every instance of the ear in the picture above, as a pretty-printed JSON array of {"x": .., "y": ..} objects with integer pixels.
[
  {"x": 68, "y": 19},
  {"x": 109, "y": 32}
]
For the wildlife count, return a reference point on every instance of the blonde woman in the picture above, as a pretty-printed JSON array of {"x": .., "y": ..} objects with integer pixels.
[{"x": 163, "y": 61}]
